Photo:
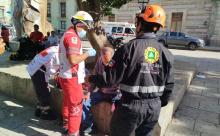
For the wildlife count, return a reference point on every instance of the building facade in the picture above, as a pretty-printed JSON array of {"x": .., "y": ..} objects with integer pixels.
[
  {"x": 5, "y": 11},
  {"x": 199, "y": 18},
  {"x": 59, "y": 13}
]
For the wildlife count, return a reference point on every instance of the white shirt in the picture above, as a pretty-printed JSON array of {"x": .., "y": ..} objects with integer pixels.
[{"x": 49, "y": 58}]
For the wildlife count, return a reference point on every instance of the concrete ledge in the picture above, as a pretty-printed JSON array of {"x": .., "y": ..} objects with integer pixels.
[
  {"x": 210, "y": 48},
  {"x": 16, "y": 83}
]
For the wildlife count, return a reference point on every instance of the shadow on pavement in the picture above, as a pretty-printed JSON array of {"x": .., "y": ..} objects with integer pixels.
[{"x": 18, "y": 119}]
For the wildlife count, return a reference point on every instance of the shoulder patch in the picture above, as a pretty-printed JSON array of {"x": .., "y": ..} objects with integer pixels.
[
  {"x": 151, "y": 55},
  {"x": 44, "y": 53},
  {"x": 74, "y": 40}
]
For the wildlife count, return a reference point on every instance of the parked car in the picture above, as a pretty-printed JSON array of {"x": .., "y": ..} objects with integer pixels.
[{"x": 181, "y": 39}]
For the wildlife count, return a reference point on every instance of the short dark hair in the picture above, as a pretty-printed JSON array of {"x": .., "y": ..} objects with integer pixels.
[
  {"x": 36, "y": 25},
  {"x": 149, "y": 27}
]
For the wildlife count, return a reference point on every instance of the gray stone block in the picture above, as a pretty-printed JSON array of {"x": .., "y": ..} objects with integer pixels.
[
  {"x": 187, "y": 112},
  {"x": 205, "y": 127},
  {"x": 192, "y": 89},
  {"x": 209, "y": 106},
  {"x": 210, "y": 90},
  {"x": 209, "y": 117},
  {"x": 207, "y": 134},
  {"x": 180, "y": 131},
  {"x": 212, "y": 94},
  {"x": 191, "y": 101},
  {"x": 183, "y": 122}
]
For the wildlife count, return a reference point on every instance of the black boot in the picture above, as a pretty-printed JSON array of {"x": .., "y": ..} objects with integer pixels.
[
  {"x": 48, "y": 115},
  {"x": 64, "y": 130},
  {"x": 37, "y": 112}
]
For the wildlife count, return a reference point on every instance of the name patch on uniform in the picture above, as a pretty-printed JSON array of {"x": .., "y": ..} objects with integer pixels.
[
  {"x": 74, "y": 40},
  {"x": 44, "y": 53},
  {"x": 151, "y": 55}
]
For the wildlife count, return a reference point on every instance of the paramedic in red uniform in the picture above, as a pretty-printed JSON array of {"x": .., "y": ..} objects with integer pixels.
[{"x": 72, "y": 71}]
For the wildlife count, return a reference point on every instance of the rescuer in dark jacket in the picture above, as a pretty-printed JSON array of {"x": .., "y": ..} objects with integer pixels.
[{"x": 144, "y": 70}]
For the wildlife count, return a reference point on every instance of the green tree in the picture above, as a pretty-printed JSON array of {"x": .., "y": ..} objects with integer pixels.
[{"x": 99, "y": 8}]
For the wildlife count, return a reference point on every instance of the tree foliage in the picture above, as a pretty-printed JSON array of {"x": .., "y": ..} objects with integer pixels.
[{"x": 99, "y": 8}]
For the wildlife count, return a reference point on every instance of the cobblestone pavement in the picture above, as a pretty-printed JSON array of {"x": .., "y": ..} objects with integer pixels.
[
  {"x": 198, "y": 114},
  {"x": 199, "y": 111}
]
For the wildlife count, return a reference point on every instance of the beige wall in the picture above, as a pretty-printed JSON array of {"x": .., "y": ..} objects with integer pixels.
[
  {"x": 196, "y": 15},
  {"x": 71, "y": 8},
  {"x": 5, "y": 4}
]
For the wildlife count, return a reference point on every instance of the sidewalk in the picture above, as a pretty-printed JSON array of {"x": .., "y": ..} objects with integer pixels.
[
  {"x": 199, "y": 111},
  {"x": 210, "y": 48}
]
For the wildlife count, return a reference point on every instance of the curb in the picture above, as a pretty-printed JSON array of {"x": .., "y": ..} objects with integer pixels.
[{"x": 215, "y": 49}]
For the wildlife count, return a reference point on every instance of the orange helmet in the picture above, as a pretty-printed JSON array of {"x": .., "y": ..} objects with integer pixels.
[{"x": 154, "y": 14}]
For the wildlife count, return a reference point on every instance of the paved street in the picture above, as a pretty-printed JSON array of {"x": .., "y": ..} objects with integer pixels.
[
  {"x": 198, "y": 114},
  {"x": 199, "y": 111}
]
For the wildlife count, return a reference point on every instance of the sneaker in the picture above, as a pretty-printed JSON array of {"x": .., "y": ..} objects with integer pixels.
[
  {"x": 37, "y": 112},
  {"x": 48, "y": 115}
]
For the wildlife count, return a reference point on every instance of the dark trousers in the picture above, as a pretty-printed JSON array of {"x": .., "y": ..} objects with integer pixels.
[
  {"x": 41, "y": 88},
  {"x": 7, "y": 44},
  {"x": 135, "y": 118}
]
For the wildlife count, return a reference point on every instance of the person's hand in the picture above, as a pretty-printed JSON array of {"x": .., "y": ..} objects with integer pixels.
[{"x": 91, "y": 52}]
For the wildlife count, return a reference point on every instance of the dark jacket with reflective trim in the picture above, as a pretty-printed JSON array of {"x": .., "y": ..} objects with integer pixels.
[{"x": 136, "y": 72}]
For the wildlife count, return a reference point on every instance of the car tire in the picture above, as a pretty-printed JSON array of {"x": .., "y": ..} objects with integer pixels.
[{"x": 192, "y": 46}]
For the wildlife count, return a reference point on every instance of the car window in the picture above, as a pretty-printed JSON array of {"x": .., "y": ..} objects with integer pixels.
[
  {"x": 181, "y": 34},
  {"x": 173, "y": 34},
  {"x": 128, "y": 31},
  {"x": 114, "y": 29},
  {"x": 120, "y": 30}
]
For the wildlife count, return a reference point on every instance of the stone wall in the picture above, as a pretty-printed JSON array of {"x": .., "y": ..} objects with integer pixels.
[
  {"x": 215, "y": 26},
  {"x": 196, "y": 15}
]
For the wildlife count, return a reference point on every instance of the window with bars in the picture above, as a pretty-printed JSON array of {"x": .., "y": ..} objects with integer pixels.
[
  {"x": 63, "y": 9},
  {"x": 1, "y": 12},
  {"x": 48, "y": 9},
  {"x": 111, "y": 18},
  {"x": 63, "y": 25}
]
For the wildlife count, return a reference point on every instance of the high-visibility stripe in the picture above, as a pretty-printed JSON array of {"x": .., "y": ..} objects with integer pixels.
[{"x": 141, "y": 89}]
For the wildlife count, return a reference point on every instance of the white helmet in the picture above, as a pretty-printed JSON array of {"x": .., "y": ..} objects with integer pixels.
[{"x": 82, "y": 17}]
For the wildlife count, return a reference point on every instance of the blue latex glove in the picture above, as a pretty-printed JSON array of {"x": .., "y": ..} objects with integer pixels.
[{"x": 91, "y": 52}]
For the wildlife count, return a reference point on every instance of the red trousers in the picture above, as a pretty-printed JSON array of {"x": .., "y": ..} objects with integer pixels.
[{"x": 72, "y": 103}]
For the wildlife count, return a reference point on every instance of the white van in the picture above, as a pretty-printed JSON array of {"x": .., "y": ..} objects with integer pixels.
[{"x": 120, "y": 29}]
